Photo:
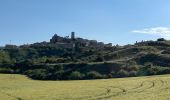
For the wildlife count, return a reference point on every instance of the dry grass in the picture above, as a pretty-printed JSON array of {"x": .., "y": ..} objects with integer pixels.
[{"x": 18, "y": 87}]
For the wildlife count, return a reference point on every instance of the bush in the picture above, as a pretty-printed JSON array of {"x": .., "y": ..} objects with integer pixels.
[
  {"x": 55, "y": 68},
  {"x": 132, "y": 73},
  {"x": 153, "y": 70},
  {"x": 93, "y": 75},
  {"x": 122, "y": 73},
  {"x": 99, "y": 59},
  {"x": 57, "y": 75},
  {"x": 134, "y": 68},
  {"x": 4, "y": 57},
  {"x": 164, "y": 70},
  {"x": 40, "y": 74},
  {"x": 76, "y": 75},
  {"x": 148, "y": 65},
  {"x": 161, "y": 39},
  {"x": 112, "y": 74},
  {"x": 148, "y": 58},
  {"x": 6, "y": 70},
  {"x": 150, "y": 49}
]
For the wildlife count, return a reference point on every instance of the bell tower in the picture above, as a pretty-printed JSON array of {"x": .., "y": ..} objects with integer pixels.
[{"x": 72, "y": 35}]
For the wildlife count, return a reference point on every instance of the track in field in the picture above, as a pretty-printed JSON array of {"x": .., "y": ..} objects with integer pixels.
[
  {"x": 110, "y": 91},
  {"x": 151, "y": 85}
]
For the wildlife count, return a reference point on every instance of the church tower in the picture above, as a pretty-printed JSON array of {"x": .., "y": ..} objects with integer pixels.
[{"x": 72, "y": 35}]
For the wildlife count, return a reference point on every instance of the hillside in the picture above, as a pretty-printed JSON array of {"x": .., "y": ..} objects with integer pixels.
[
  {"x": 65, "y": 58},
  {"x": 18, "y": 87}
]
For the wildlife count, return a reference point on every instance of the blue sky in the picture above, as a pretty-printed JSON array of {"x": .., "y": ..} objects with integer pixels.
[{"x": 116, "y": 21}]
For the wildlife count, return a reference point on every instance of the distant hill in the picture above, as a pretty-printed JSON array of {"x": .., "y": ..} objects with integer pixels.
[{"x": 65, "y": 58}]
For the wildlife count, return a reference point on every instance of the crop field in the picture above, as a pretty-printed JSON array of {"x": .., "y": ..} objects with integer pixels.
[{"x": 19, "y": 87}]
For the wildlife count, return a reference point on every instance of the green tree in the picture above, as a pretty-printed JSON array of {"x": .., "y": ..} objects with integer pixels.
[
  {"x": 122, "y": 73},
  {"x": 75, "y": 75},
  {"x": 132, "y": 73},
  {"x": 93, "y": 75},
  {"x": 40, "y": 74},
  {"x": 4, "y": 57}
]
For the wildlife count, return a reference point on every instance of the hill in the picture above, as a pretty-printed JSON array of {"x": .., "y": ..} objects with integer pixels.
[
  {"x": 18, "y": 87},
  {"x": 64, "y": 58}
]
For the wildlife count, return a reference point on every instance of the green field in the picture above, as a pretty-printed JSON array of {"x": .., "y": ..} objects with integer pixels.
[{"x": 18, "y": 87}]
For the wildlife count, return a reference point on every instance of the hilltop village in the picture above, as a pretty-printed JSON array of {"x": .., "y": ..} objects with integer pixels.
[
  {"x": 66, "y": 42},
  {"x": 70, "y": 42}
]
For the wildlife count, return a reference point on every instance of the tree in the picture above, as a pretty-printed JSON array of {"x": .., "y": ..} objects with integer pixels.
[
  {"x": 75, "y": 75},
  {"x": 37, "y": 74},
  {"x": 4, "y": 57},
  {"x": 112, "y": 74},
  {"x": 99, "y": 59},
  {"x": 133, "y": 68},
  {"x": 93, "y": 75},
  {"x": 161, "y": 39},
  {"x": 153, "y": 70},
  {"x": 57, "y": 75},
  {"x": 122, "y": 73},
  {"x": 132, "y": 73},
  {"x": 148, "y": 64}
]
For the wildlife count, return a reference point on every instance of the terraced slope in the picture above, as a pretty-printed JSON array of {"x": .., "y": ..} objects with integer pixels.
[{"x": 18, "y": 87}]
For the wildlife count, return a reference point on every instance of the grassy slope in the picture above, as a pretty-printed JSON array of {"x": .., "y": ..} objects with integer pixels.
[{"x": 18, "y": 87}]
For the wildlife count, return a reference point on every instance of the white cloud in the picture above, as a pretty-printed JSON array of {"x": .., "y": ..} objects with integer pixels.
[{"x": 160, "y": 31}]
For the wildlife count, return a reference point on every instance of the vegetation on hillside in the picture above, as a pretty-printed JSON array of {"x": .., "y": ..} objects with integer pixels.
[{"x": 50, "y": 62}]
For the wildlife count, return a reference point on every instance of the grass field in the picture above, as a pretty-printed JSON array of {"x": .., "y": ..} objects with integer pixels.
[{"x": 18, "y": 87}]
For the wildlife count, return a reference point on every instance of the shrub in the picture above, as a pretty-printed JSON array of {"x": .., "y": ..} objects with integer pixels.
[
  {"x": 161, "y": 39},
  {"x": 93, "y": 75},
  {"x": 148, "y": 64},
  {"x": 132, "y": 62},
  {"x": 164, "y": 70},
  {"x": 58, "y": 67},
  {"x": 75, "y": 75},
  {"x": 150, "y": 49},
  {"x": 153, "y": 70},
  {"x": 57, "y": 75},
  {"x": 99, "y": 59},
  {"x": 148, "y": 58},
  {"x": 134, "y": 68},
  {"x": 4, "y": 57},
  {"x": 6, "y": 70},
  {"x": 122, "y": 73},
  {"x": 112, "y": 74},
  {"x": 132, "y": 73},
  {"x": 37, "y": 74}
]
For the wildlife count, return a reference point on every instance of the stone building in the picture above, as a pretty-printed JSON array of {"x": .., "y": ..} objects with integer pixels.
[
  {"x": 10, "y": 46},
  {"x": 66, "y": 42}
]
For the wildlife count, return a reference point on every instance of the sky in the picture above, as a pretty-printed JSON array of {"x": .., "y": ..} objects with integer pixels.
[{"x": 116, "y": 21}]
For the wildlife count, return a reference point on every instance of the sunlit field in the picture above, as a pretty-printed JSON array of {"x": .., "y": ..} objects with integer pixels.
[{"x": 18, "y": 87}]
